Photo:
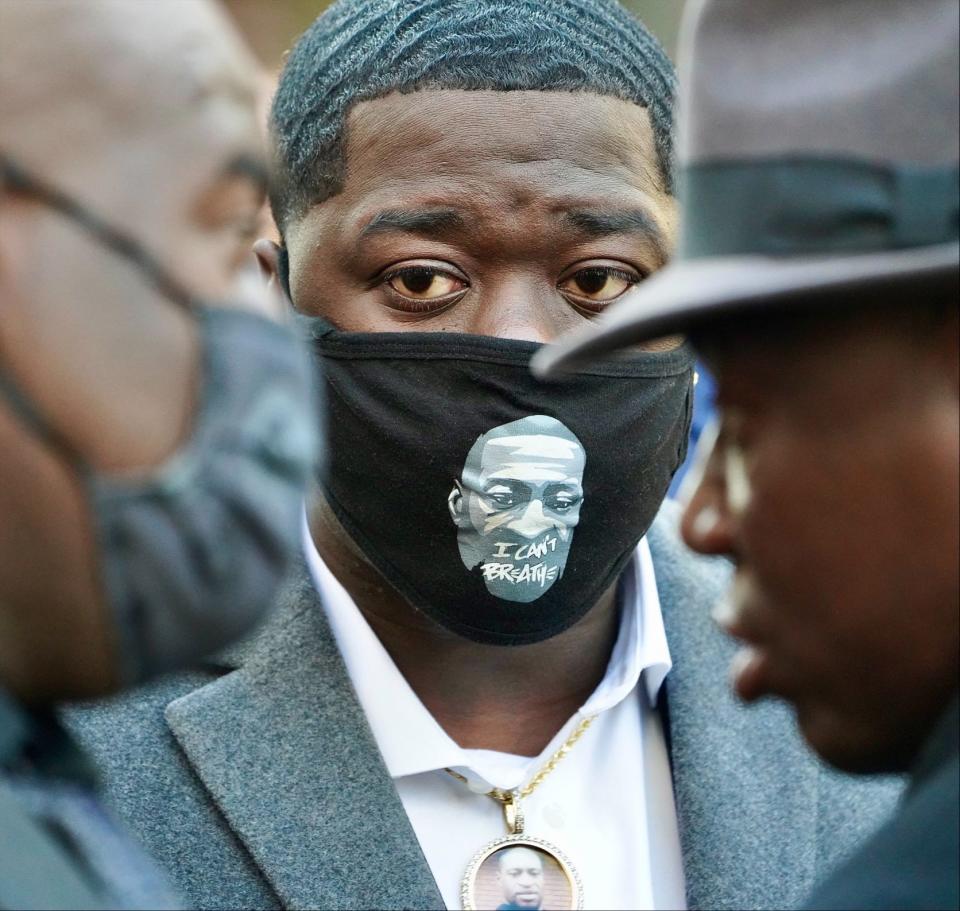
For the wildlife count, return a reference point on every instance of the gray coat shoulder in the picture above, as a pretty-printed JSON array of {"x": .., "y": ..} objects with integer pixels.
[
  {"x": 701, "y": 579},
  {"x": 761, "y": 819},
  {"x": 152, "y": 787}
]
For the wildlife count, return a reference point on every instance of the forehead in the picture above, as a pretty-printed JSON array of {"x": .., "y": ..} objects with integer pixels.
[
  {"x": 142, "y": 89},
  {"x": 120, "y": 63},
  {"x": 517, "y": 857},
  {"x": 466, "y": 131},
  {"x": 179, "y": 56},
  {"x": 786, "y": 343},
  {"x": 819, "y": 369},
  {"x": 199, "y": 84},
  {"x": 489, "y": 150}
]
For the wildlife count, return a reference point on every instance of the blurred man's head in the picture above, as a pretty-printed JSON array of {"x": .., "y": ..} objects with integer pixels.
[
  {"x": 520, "y": 871},
  {"x": 818, "y": 276},
  {"x": 124, "y": 97},
  {"x": 833, "y": 486},
  {"x": 496, "y": 168},
  {"x": 142, "y": 114}
]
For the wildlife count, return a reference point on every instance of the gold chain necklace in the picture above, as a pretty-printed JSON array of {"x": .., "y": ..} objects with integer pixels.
[{"x": 517, "y": 871}]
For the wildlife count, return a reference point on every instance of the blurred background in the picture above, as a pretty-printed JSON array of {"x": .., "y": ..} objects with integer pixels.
[{"x": 271, "y": 26}]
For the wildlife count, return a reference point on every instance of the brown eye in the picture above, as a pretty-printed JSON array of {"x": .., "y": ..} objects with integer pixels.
[
  {"x": 598, "y": 284},
  {"x": 421, "y": 283}
]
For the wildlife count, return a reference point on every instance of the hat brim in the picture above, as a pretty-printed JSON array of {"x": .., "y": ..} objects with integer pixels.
[{"x": 688, "y": 294}]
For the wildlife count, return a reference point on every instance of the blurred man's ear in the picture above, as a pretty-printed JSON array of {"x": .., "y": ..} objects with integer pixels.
[{"x": 274, "y": 265}]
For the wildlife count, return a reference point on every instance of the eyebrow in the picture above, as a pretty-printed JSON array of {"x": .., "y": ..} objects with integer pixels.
[
  {"x": 250, "y": 166},
  {"x": 594, "y": 223},
  {"x": 415, "y": 221},
  {"x": 621, "y": 221}
]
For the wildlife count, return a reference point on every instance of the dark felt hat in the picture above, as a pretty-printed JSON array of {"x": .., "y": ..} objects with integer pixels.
[{"x": 818, "y": 162}]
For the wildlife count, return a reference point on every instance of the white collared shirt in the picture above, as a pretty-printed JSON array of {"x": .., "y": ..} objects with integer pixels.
[{"x": 608, "y": 805}]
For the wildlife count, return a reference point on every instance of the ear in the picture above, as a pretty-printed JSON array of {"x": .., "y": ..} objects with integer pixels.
[
  {"x": 274, "y": 266},
  {"x": 455, "y": 504}
]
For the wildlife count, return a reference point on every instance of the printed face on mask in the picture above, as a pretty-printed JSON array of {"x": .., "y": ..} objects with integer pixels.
[{"x": 516, "y": 505}]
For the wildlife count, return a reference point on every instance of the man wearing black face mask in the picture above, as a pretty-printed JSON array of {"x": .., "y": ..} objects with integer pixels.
[
  {"x": 475, "y": 653},
  {"x": 153, "y": 446}
]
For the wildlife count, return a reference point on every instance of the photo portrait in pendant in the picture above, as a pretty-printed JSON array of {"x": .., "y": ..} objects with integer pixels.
[
  {"x": 521, "y": 876},
  {"x": 516, "y": 504}
]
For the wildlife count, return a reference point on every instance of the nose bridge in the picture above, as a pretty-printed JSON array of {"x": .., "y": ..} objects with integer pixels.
[
  {"x": 532, "y": 522},
  {"x": 514, "y": 308},
  {"x": 736, "y": 482},
  {"x": 708, "y": 522},
  {"x": 711, "y": 487}
]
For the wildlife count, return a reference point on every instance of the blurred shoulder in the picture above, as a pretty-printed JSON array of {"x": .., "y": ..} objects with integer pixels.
[
  {"x": 148, "y": 781},
  {"x": 130, "y": 722},
  {"x": 679, "y": 568}
]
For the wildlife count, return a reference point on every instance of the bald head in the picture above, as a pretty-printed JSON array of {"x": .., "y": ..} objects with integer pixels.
[
  {"x": 107, "y": 98},
  {"x": 111, "y": 68},
  {"x": 136, "y": 109}
]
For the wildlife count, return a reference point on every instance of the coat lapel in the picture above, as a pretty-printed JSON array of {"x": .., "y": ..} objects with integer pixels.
[
  {"x": 283, "y": 748},
  {"x": 746, "y": 788},
  {"x": 285, "y": 751}
]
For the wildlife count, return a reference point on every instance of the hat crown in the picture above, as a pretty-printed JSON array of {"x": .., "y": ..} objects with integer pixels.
[
  {"x": 818, "y": 155},
  {"x": 819, "y": 127},
  {"x": 868, "y": 79}
]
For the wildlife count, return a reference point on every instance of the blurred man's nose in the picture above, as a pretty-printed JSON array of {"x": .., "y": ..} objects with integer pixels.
[
  {"x": 707, "y": 525},
  {"x": 533, "y": 522}
]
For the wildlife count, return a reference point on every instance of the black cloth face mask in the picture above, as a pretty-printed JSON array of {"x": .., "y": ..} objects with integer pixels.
[{"x": 500, "y": 505}]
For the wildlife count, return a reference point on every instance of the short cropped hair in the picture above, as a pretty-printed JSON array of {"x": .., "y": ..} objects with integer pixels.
[{"x": 363, "y": 49}]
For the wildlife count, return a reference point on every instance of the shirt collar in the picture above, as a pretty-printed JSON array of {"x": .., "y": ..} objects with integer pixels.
[
  {"x": 641, "y": 646},
  {"x": 410, "y": 739}
]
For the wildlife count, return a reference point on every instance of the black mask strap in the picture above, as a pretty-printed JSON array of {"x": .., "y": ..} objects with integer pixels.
[
  {"x": 15, "y": 179},
  {"x": 18, "y": 180}
]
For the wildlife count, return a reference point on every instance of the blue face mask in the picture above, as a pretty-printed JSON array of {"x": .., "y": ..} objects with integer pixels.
[{"x": 192, "y": 553}]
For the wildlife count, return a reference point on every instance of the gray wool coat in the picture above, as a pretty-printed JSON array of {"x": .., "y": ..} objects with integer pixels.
[{"x": 257, "y": 783}]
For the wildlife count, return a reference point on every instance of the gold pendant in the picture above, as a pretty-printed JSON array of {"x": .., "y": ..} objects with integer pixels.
[{"x": 519, "y": 872}]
